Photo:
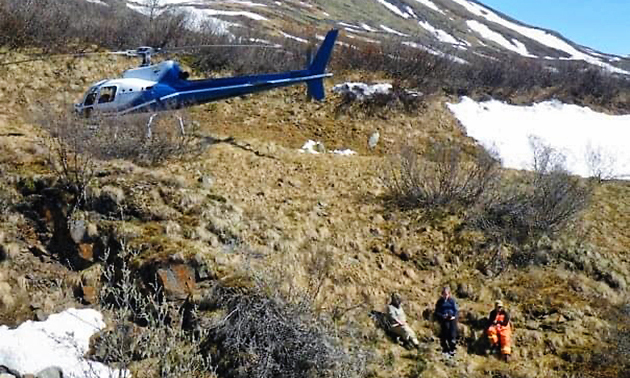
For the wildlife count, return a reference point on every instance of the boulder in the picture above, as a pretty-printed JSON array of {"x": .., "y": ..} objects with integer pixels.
[
  {"x": 177, "y": 280},
  {"x": 465, "y": 290},
  {"x": 78, "y": 230},
  {"x": 50, "y": 372},
  {"x": 89, "y": 294}
]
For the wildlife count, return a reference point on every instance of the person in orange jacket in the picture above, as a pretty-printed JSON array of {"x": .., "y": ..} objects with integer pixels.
[{"x": 500, "y": 330}]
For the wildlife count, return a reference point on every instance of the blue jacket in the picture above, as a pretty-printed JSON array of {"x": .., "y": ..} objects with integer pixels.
[{"x": 445, "y": 308}]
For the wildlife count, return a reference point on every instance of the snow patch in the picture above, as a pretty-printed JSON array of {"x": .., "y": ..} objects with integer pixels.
[
  {"x": 312, "y": 147},
  {"x": 368, "y": 27},
  {"x": 394, "y": 9},
  {"x": 431, "y": 5},
  {"x": 346, "y": 152},
  {"x": 392, "y": 31},
  {"x": 362, "y": 91},
  {"x": 285, "y": 35},
  {"x": 191, "y": 7},
  {"x": 316, "y": 148},
  {"x": 575, "y": 131},
  {"x": 498, "y": 38},
  {"x": 441, "y": 35},
  {"x": 450, "y": 57},
  {"x": 99, "y": 2},
  {"x": 62, "y": 340}
]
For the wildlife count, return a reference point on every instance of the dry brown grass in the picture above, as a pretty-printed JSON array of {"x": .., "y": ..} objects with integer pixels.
[{"x": 278, "y": 209}]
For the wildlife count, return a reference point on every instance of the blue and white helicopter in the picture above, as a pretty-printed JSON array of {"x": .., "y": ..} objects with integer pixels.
[{"x": 164, "y": 86}]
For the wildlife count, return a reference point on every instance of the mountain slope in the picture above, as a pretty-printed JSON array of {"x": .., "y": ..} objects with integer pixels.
[{"x": 453, "y": 26}]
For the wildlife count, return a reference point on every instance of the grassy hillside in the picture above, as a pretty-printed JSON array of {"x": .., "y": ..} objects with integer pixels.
[{"x": 248, "y": 205}]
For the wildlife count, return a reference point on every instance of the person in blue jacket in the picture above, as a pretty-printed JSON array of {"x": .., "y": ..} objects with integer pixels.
[{"x": 446, "y": 312}]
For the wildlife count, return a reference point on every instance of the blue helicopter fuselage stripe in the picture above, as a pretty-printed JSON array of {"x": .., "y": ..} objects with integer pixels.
[{"x": 183, "y": 92}]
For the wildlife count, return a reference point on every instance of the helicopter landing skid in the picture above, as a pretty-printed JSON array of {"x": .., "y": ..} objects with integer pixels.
[{"x": 150, "y": 132}]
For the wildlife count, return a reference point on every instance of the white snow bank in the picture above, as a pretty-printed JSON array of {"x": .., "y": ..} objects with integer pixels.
[
  {"x": 362, "y": 91},
  {"x": 579, "y": 133},
  {"x": 62, "y": 340}
]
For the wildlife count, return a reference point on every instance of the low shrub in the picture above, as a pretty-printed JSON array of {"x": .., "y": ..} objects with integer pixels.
[
  {"x": 263, "y": 334},
  {"x": 542, "y": 202},
  {"x": 441, "y": 178}
]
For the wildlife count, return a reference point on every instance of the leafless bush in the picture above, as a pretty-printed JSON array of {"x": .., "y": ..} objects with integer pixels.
[
  {"x": 263, "y": 334},
  {"x": 442, "y": 178},
  {"x": 543, "y": 203},
  {"x": 145, "y": 326},
  {"x": 70, "y": 145},
  {"x": 76, "y": 142},
  {"x": 599, "y": 163},
  {"x": 55, "y": 25},
  {"x": 276, "y": 55}
]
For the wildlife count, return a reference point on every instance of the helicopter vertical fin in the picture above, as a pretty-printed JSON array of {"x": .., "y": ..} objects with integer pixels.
[{"x": 318, "y": 65}]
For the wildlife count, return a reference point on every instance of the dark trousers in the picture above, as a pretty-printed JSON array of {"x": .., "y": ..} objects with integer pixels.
[{"x": 448, "y": 335}]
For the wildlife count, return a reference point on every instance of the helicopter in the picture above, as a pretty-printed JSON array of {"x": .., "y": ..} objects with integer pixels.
[{"x": 164, "y": 86}]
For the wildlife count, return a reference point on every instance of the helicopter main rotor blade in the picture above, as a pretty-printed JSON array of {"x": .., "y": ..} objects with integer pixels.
[
  {"x": 169, "y": 49},
  {"x": 40, "y": 57}
]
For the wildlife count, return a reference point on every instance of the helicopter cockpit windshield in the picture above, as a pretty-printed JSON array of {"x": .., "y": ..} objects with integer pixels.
[{"x": 90, "y": 97}]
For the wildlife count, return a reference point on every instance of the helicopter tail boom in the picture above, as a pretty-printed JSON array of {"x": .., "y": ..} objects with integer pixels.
[{"x": 318, "y": 65}]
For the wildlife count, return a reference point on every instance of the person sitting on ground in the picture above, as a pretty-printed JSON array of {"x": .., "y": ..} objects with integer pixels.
[
  {"x": 446, "y": 312},
  {"x": 500, "y": 330},
  {"x": 397, "y": 321}
]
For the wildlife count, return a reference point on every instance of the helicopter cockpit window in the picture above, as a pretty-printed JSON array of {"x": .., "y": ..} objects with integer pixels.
[
  {"x": 107, "y": 95},
  {"x": 90, "y": 98}
]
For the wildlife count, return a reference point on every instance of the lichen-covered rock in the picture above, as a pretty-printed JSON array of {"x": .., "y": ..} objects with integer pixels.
[{"x": 177, "y": 280}]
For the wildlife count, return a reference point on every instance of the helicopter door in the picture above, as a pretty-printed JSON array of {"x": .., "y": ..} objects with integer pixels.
[{"x": 106, "y": 98}]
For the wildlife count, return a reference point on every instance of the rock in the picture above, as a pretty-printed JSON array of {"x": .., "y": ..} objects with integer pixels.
[
  {"x": 92, "y": 231},
  {"x": 173, "y": 229},
  {"x": 78, "y": 230},
  {"x": 411, "y": 274},
  {"x": 465, "y": 290},
  {"x": 50, "y": 372},
  {"x": 8, "y": 250},
  {"x": 373, "y": 140},
  {"x": 439, "y": 260},
  {"x": 177, "y": 280},
  {"x": 206, "y": 181},
  {"x": 110, "y": 200},
  {"x": 86, "y": 252},
  {"x": 319, "y": 147},
  {"x": 89, "y": 294}
]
